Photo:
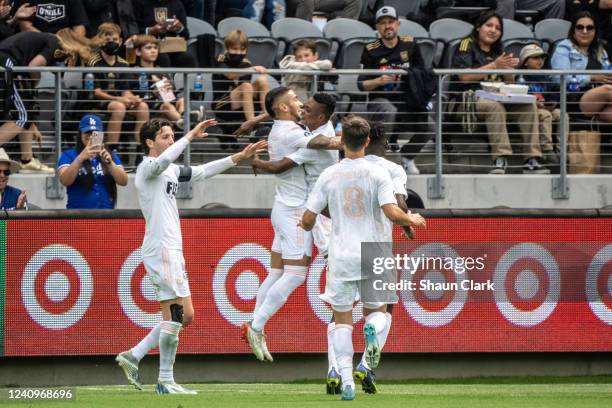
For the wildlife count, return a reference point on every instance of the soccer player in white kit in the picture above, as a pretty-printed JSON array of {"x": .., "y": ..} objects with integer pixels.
[
  {"x": 292, "y": 246},
  {"x": 354, "y": 190},
  {"x": 157, "y": 181}
]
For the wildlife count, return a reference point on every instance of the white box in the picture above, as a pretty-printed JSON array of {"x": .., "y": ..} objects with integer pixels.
[{"x": 506, "y": 98}]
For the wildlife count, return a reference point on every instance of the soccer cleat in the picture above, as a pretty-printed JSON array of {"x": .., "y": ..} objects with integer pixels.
[
  {"x": 254, "y": 339},
  {"x": 172, "y": 388},
  {"x": 129, "y": 365},
  {"x": 264, "y": 348},
  {"x": 372, "y": 350},
  {"x": 333, "y": 382},
  {"x": 367, "y": 379},
  {"x": 348, "y": 393}
]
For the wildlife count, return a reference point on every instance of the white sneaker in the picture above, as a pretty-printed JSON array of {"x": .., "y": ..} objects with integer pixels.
[
  {"x": 129, "y": 365},
  {"x": 409, "y": 166},
  {"x": 35, "y": 166},
  {"x": 173, "y": 388},
  {"x": 254, "y": 338}
]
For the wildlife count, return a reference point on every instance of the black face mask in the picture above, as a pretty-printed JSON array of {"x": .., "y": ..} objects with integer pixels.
[
  {"x": 234, "y": 59},
  {"x": 111, "y": 48}
]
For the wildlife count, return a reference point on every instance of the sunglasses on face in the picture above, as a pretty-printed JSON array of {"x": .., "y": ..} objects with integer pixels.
[
  {"x": 6, "y": 172},
  {"x": 580, "y": 27}
]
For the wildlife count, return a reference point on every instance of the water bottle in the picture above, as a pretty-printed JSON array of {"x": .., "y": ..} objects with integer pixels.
[
  {"x": 198, "y": 85},
  {"x": 573, "y": 85},
  {"x": 89, "y": 84},
  {"x": 143, "y": 82},
  {"x": 605, "y": 65}
]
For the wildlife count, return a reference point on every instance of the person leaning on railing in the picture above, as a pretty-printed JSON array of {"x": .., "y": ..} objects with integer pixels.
[
  {"x": 91, "y": 171},
  {"x": 584, "y": 50},
  {"x": 483, "y": 50}
]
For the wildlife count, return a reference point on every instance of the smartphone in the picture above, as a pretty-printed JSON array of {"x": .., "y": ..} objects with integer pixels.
[{"x": 96, "y": 141}]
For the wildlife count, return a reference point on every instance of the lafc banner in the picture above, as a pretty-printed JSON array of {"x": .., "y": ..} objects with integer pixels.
[{"x": 77, "y": 286}]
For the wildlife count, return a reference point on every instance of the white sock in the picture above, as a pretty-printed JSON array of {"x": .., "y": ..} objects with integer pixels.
[
  {"x": 273, "y": 276},
  {"x": 379, "y": 321},
  {"x": 277, "y": 295},
  {"x": 168, "y": 343},
  {"x": 343, "y": 346},
  {"x": 148, "y": 343},
  {"x": 382, "y": 339},
  {"x": 331, "y": 354}
]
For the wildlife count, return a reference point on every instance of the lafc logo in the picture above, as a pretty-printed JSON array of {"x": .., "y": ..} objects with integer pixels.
[
  {"x": 171, "y": 188},
  {"x": 51, "y": 12}
]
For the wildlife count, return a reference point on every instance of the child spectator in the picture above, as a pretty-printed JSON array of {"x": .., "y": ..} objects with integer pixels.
[
  {"x": 147, "y": 51},
  {"x": 234, "y": 94},
  {"x": 112, "y": 88},
  {"x": 545, "y": 90},
  {"x": 305, "y": 57}
]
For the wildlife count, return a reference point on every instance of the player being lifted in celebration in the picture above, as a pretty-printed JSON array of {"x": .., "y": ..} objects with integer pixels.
[
  {"x": 157, "y": 181},
  {"x": 354, "y": 191},
  {"x": 292, "y": 247}
]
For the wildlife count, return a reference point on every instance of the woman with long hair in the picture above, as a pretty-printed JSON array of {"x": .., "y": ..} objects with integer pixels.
[
  {"x": 90, "y": 171},
  {"x": 590, "y": 95},
  {"x": 483, "y": 50}
]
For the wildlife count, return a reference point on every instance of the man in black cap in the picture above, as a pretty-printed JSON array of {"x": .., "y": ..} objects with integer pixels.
[{"x": 387, "y": 101}]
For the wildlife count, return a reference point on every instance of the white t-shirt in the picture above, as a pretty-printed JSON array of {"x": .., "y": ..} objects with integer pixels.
[
  {"x": 316, "y": 160},
  {"x": 286, "y": 137},
  {"x": 157, "y": 181},
  {"x": 354, "y": 191}
]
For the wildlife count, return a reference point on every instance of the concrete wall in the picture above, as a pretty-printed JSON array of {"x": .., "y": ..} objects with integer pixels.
[
  {"x": 96, "y": 370},
  {"x": 462, "y": 191}
]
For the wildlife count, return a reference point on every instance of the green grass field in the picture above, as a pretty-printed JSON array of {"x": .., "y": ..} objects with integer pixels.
[{"x": 553, "y": 392}]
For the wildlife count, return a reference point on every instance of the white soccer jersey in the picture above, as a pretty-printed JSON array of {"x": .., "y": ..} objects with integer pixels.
[
  {"x": 354, "y": 191},
  {"x": 157, "y": 181},
  {"x": 286, "y": 137},
  {"x": 313, "y": 160}
]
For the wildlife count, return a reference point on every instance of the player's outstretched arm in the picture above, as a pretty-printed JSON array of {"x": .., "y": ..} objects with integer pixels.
[
  {"x": 308, "y": 220},
  {"x": 213, "y": 168},
  {"x": 199, "y": 131},
  {"x": 323, "y": 142},
  {"x": 397, "y": 216},
  {"x": 272, "y": 166}
]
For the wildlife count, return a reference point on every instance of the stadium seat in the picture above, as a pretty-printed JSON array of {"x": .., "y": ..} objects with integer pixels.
[
  {"x": 249, "y": 27},
  {"x": 262, "y": 47},
  {"x": 198, "y": 27},
  {"x": 413, "y": 29},
  {"x": 551, "y": 30},
  {"x": 427, "y": 46},
  {"x": 460, "y": 13},
  {"x": 514, "y": 29},
  {"x": 404, "y": 7},
  {"x": 290, "y": 30},
  {"x": 527, "y": 17},
  {"x": 448, "y": 32},
  {"x": 350, "y": 37}
]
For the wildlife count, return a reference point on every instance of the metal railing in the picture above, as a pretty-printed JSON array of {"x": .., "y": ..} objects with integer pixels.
[{"x": 343, "y": 82}]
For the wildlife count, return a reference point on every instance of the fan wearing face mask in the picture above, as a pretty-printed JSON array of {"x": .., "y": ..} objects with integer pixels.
[
  {"x": 236, "y": 95},
  {"x": 112, "y": 88}
]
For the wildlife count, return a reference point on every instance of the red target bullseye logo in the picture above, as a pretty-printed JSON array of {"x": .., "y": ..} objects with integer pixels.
[
  {"x": 599, "y": 284},
  {"x": 243, "y": 281},
  {"x": 136, "y": 292},
  {"x": 57, "y": 287},
  {"x": 527, "y": 284},
  {"x": 433, "y": 308}
]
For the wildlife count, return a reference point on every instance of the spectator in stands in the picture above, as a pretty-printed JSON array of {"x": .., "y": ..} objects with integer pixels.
[
  {"x": 601, "y": 10},
  {"x": 483, "y": 50},
  {"x": 387, "y": 101},
  {"x": 546, "y": 92},
  {"x": 120, "y": 12},
  {"x": 235, "y": 95},
  {"x": 165, "y": 19},
  {"x": 147, "y": 48},
  {"x": 112, "y": 88},
  {"x": 547, "y": 8},
  {"x": 304, "y": 57},
  {"x": 91, "y": 171},
  {"x": 264, "y": 11},
  {"x": 9, "y": 22},
  {"x": 583, "y": 50},
  {"x": 340, "y": 8},
  {"x": 54, "y": 15},
  {"x": 11, "y": 198},
  {"x": 32, "y": 49}
]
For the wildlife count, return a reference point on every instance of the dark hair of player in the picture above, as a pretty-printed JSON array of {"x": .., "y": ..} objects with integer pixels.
[
  {"x": 355, "y": 132},
  {"x": 272, "y": 97},
  {"x": 327, "y": 101},
  {"x": 150, "y": 130}
]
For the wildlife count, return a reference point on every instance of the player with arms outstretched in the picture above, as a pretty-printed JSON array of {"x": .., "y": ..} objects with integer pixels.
[{"x": 157, "y": 181}]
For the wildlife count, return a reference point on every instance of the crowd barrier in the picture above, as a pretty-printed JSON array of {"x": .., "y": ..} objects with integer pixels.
[{"x": 72, "y": 283}]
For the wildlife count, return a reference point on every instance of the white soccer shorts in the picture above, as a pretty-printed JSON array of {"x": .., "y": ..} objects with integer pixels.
[
  {"x": 166, "y": 269},
  {"x": 342, "y": 295},
  {"x": 291, "y": 241}
]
